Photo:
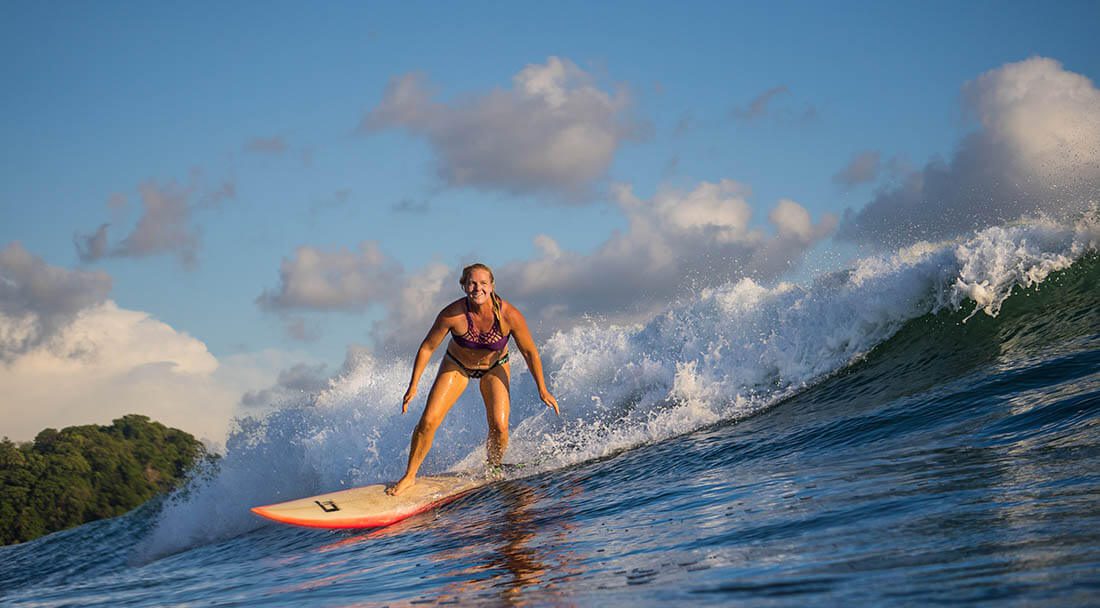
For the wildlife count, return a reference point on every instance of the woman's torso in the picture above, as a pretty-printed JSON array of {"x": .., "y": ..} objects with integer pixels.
[{"x": 477, "y": 341}]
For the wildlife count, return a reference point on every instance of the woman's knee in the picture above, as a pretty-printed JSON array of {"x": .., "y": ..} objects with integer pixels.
[
  {"x": 428, "y": 424},
  {"x": 499, "y": 433}
]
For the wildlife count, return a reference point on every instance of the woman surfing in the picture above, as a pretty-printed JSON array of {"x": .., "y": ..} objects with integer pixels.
[{"x": 480, "y": 326}]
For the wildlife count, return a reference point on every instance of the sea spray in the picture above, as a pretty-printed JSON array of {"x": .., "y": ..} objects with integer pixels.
[
  {"x": 742, "y": 347},
  {"x": 350, "y": 434}
]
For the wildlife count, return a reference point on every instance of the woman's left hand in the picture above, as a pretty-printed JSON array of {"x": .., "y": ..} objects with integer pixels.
[
  {"x": 550, "y": 401},
  {"x": 409, "y": 394}
]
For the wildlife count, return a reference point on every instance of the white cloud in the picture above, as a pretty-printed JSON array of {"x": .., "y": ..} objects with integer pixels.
[
  {"x": 676, "y": 243},
  {"x": 37, "y": 300},
  {"x": 291, "y": 385},
  {"x": 69, "y": 355},
  {"x": 316, "y": 280},
  {"x": 110, "y": 361},
  {"x": 412, "y": 308},
  {"x": 1037, "y": 150},
  {"x": 793, "y": 222},
  {"x": 555, "y": 132},
  {"x": 346, "y": 280},
  {"x": 166, "y": 225},
  {"x": 1046, "y": 116}
]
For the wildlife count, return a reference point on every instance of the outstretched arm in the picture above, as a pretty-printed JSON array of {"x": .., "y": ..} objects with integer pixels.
[
  {"x": 527, "y": 348},
  {"x": 431, "y": 342}
]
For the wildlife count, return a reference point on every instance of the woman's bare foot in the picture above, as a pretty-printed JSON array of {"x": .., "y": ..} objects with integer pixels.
[{"x": 402, "y": 484}]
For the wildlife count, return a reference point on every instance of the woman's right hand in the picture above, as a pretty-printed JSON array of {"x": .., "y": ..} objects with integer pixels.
[{"x": 409, "y": 394}]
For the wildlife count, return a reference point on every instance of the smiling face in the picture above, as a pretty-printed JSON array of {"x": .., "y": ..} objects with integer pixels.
[{"x": 478, "y": 286}]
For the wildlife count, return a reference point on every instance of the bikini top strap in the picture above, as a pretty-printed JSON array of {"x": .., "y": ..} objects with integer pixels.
[{"x": 472, "y": 330}]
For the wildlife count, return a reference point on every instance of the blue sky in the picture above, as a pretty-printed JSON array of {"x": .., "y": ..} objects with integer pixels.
[{"x": 252, "y": 115}]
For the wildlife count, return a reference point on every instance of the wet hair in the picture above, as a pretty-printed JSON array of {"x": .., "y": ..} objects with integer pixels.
[{"x": 467, "y": 271}]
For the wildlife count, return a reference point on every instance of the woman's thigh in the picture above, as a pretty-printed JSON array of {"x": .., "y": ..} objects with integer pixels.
[
  {"x": 448, "y": 386},
  {"x": 495, "y": 390}
]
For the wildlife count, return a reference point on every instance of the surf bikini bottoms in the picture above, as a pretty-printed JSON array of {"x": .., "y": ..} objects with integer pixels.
[{"x": 477, "y": 373}]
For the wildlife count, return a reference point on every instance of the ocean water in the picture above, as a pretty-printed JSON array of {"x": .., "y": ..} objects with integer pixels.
[{"x": 921, "y": 428}]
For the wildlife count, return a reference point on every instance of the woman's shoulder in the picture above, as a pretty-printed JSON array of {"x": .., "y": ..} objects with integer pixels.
[
  {"x": 508, "y": 310},
  {"x": 454, "y": 308},
  {"x": 451, "y": 315}
]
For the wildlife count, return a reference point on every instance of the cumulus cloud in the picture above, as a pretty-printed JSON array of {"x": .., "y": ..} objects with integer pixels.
[
  {"x": 861, "y": 169},
  {"x": 69, "y": 355},
  {"x": 291, "y": 384},
  {"x": 676, "y": 243},
  {"x": 412, "y": 308},
  {"x": 128, "y": 363},
  {"x": 1036, "y": 150},
  {"x": 37, "y": 299},
  {"x": 341, "y": 280},
  {"x": 165, "y": 225},
  {"x": 554, "y": 132}
]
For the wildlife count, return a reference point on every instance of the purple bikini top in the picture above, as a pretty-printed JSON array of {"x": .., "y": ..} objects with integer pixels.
[{"x": 494, "y": 339}]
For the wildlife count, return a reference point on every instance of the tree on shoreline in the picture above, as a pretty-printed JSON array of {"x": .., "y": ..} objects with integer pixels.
[{"x": 84, "y": 473}]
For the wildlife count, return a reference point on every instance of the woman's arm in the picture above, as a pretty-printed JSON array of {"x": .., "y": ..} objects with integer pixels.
[
  {"x": 527, "y": 348},
  {"x": 431, "y": 342}
]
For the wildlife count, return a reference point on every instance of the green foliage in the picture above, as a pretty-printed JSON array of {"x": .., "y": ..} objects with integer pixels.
[{"x": 83, "y": 473}]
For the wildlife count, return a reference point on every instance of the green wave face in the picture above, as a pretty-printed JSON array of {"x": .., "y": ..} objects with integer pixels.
[{"x": 1061, "y": 315}]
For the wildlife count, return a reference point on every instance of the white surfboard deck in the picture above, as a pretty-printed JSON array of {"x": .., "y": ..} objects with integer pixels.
[{"x": 370, "y": 506}]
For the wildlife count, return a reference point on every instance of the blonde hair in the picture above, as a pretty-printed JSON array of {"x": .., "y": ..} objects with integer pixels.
[{"x": 467, "y": 271}]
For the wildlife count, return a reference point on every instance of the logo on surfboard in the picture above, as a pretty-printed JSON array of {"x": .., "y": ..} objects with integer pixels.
[{"x": 327, "y": 506}]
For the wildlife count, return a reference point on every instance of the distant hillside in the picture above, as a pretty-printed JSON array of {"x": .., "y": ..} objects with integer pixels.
[{"x": 83, "y": 473}]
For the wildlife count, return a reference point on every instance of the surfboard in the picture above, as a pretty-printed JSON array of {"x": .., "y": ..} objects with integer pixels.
[{"x": 370, "y": 506}]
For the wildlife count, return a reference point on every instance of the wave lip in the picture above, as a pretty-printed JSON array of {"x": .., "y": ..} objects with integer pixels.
[{"x": 739, "y": 348}]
